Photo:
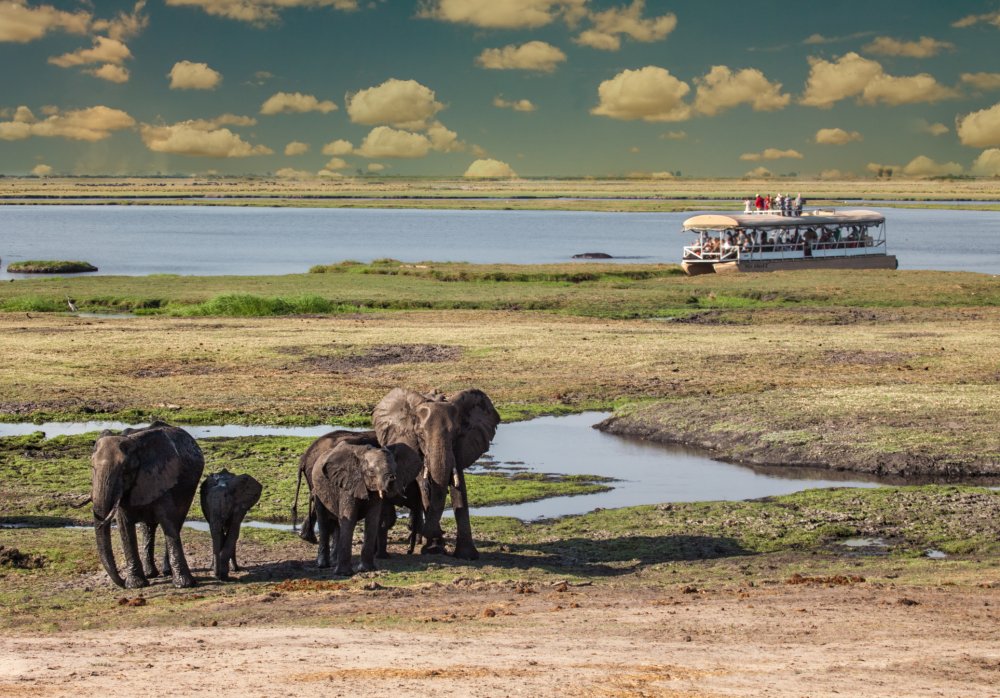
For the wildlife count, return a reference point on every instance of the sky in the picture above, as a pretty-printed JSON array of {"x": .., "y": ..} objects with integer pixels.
[{"x": 500, "y": 88}]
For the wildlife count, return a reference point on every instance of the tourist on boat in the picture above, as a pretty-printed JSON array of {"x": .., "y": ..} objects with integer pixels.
[
  {"x": 799, "y": 202},
  {"x": 759, "y": 203},
  {"x": 747, "y": 206},
  {"x": 767, "y": 203}
]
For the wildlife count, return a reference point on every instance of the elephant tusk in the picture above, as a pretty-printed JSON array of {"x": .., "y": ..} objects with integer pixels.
[{"x": 381, "y": 494}]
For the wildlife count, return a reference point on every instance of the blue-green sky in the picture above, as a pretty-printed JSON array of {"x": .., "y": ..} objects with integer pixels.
[{"x": 536, "y": 87}]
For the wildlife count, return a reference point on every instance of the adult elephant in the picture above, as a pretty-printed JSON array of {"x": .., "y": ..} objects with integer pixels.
[
  {"x": 447, "y": 434},
  {"x": 145, "y": 476},
  {"x": 225, "y": 500},
  {"x": 351, "y": 481}
]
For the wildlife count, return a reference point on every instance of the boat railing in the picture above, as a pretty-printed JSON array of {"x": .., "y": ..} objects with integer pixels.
[{"x": 780, "y": 250}]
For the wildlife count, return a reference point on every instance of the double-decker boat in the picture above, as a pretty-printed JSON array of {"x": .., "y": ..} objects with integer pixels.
[{"x": 770, "y": 241}]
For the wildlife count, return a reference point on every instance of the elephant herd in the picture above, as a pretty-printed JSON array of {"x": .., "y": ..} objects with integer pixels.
[{"x": 415, "y": 457}]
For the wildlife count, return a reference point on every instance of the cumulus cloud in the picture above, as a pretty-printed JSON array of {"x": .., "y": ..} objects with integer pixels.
[
  {"x": 41, "y": 170},
  {"x": 674, "y": 135},
  {"x": 443, "y": 139},
  {"x": 610, "y": 25},
  {"x": 338, "y": 147},
  {"x": 854, "y": 76},
  {"x": 336, "y": 164},
  {"x": 925, "y": 47},
  {"x": 759, "y": 173},
  {"x": 723, "y": 89},
  {"x": 386, "y": 142},
  {"x": 536, "y": 56},
  {"x": 969, "y": 20},
  {"x": 651, "y": 94},
  {"x": 772, "y": 154},
  {"x": 489, "y": 168},
  {"x": 982, "y": 81},
  {"x": 923, "y": 166},
  {"x": 124, "y": 25},
  {"x": 401, "y": 103},
  {"x": 988, "y": 163},
  {"x": 295, "y": 103},
  {"x": 186, "y": 75},
  {"x": 329, "y": 174},
  {"x": 21, "y": 23},
  {"x": 296, "y": 148},
  {"x": 104, "y": 50},
  {"x": 376, "y": 167},
  {"x": 980, "y": 128},
  {"x": 837, "y": 136},
  {"x": 258, "y": 11},
  {"x": 935, "y": 129},
  {"x": 198, "y": 138},
  {"x": 91, "y": 124},
  {"x": 524, "y": 105},
  {"x": 503, "y": 14}
]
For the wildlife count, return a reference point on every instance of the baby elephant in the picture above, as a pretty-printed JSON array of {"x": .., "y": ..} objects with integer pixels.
[
  {"x": 225, "y": 500},
  {"x": 351, "y": 481}
]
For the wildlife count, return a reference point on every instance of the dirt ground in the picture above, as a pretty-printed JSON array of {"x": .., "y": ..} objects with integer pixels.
[{"x": 823, "y": 637}]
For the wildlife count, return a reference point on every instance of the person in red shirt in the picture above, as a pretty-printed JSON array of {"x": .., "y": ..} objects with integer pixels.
[{"x": 759, "y": 202}]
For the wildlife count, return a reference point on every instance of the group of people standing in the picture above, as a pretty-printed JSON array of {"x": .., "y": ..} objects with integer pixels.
[{"x": 780, "y": 203}]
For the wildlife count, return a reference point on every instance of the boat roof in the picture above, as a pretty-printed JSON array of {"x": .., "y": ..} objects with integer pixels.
[{"x": 724, "y": 221}]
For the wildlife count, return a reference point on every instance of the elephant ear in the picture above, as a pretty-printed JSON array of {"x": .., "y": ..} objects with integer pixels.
[
  {"x": 408, "y": 465},
  {"x": 156, "y": 462},
  {"x": 395, "y": 418},
  {"x": 247, "y": 492},
  {"x": 340, "y": 470},
  {"x": 478, "y": 421}
]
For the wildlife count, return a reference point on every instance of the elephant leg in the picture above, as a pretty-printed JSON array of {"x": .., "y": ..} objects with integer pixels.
[
  {"x": 323, "y": 524},
  {"x": 345, "y": 540},
  {"x": 464, "y": 547},
  {"x": 432, "y": 497},
  {"x": 386, "y": 521},
  {"x": 373, "y": 518},
  {"x": 232, "y": 536},
  {"x": 220, "y": 564},
  {"x": 308, "y": 530},
  {"x": 148, "y": 555},
  {"x": 175, "y": 551},
  {"x": 416, "y": 523},
  {"x": 134, "y": 577}
]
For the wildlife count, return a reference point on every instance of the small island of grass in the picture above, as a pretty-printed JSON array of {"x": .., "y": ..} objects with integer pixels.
[{"x": 50, "y": 267}]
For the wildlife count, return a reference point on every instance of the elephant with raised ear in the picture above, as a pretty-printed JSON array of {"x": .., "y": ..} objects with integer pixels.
[
  {"x": 350, "y": 481},
  {"x": 225, "y": 500},
  {"x": 147, "y": 476},
  {"x": 448, "y": 434}
]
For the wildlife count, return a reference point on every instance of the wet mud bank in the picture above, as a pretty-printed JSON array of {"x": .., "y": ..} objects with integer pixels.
[{"x": 781, "y": 449}]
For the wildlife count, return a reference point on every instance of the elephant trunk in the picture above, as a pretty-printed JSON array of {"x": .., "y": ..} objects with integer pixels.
[
  {"x": 102, "y": 529},
  {"x": 439, "y": 467}
]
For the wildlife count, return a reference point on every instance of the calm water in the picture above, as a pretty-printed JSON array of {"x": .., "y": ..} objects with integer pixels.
[
  {"x": 138, "y": 240},
  {"x": 645, "y": 473}
]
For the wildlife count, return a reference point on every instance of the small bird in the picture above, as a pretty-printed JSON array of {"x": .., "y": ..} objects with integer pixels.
[{"x": 71, "y": 304}]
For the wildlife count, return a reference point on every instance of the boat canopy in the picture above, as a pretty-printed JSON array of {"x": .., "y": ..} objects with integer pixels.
[{"x": 753, "y": 221}]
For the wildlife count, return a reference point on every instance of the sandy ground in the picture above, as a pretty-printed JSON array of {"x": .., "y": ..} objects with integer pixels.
[{"x": 855, "y": 639}]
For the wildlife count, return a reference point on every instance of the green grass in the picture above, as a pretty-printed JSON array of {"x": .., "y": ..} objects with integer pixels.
[{"x": 51, "y": 266}]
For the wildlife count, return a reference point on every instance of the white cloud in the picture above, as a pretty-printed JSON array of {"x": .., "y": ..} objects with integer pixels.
[
  {"x": 338, "y": 147},
  {"x": 610, "y": 25},
  {"x": 296, "y": 103},
  {"x": 296, "y": 148},
  {"x": 935, "y": 129},
  {"x": 329, "y": 174},
  {"x": 443, "y": 139},
  {"x": 489, "y": 168},
  {"x": 837, "y": 136},
  {"x": 969, "y": 20},
  {"x": 198, "y": 138},
  {"x": 772, "y": 154},
  {"x": 988, "y": 163},
  {"x": 109, "y": 72},
  {"x": 376, "y": 167},
  {"x": 925, "y": 47},
  {"x": 536, "y": 56},
  {"x": 91, "y": 124},
  {"x": 980, "y": 128},
  {"x": 523, "y": 105},
  {"x": 674, "y": 135},
  {"x": 923, "y": 166},
  {"x": 723, "y": 89},
  {"x": 651, "y": 94},
  {"x": 186, "y": 75},
  {"x": 42, "y": 170},
  {"x": 336, "y": 164},
  {"x": 124, "y": 25},
  {"x": 402, "y": 103},
  {"x": 21, "y": 23},
  {"x": 104, "y": 50},
  {"x": 854, "y": 76},
  {"x": 759, "y": 173},
  {"x": 258, "y": 11},
  {"x": 503, "y": 14},
  {"x": 819, "y": 39},
  {"x": 982, "y": 81},
  {"x": 386, "y": 142}
]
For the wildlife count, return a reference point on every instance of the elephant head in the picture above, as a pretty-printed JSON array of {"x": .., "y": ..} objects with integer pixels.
[
  {"x": 357, "y": 469},
  {"x": 131, "y": 472},
  {"x": 447, "y": 434}
]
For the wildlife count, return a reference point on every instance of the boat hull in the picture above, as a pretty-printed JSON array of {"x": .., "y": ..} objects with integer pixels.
[{"x": 874, "y": 261}]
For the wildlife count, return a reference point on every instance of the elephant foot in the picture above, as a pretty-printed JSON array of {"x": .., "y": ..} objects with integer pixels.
[
  {"x": 308, "y": 536},
  {"x": 322, "y": 563},
  {"x": 133, "y": 582},
  {"x": 433, "y": 548},
  {"x": 223, "y": 577},
  {"x": 366, "y": 567},
  {"x": 150, "y": 571},
  {"x": 184, "y": 582},
  {"x": 383, "y": 555},
  {"x": 466, "y": 552},
  {"x": 343, "y": 571}
]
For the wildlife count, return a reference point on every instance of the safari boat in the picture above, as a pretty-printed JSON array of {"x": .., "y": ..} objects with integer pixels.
[{"x": 770, "y": 241}]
